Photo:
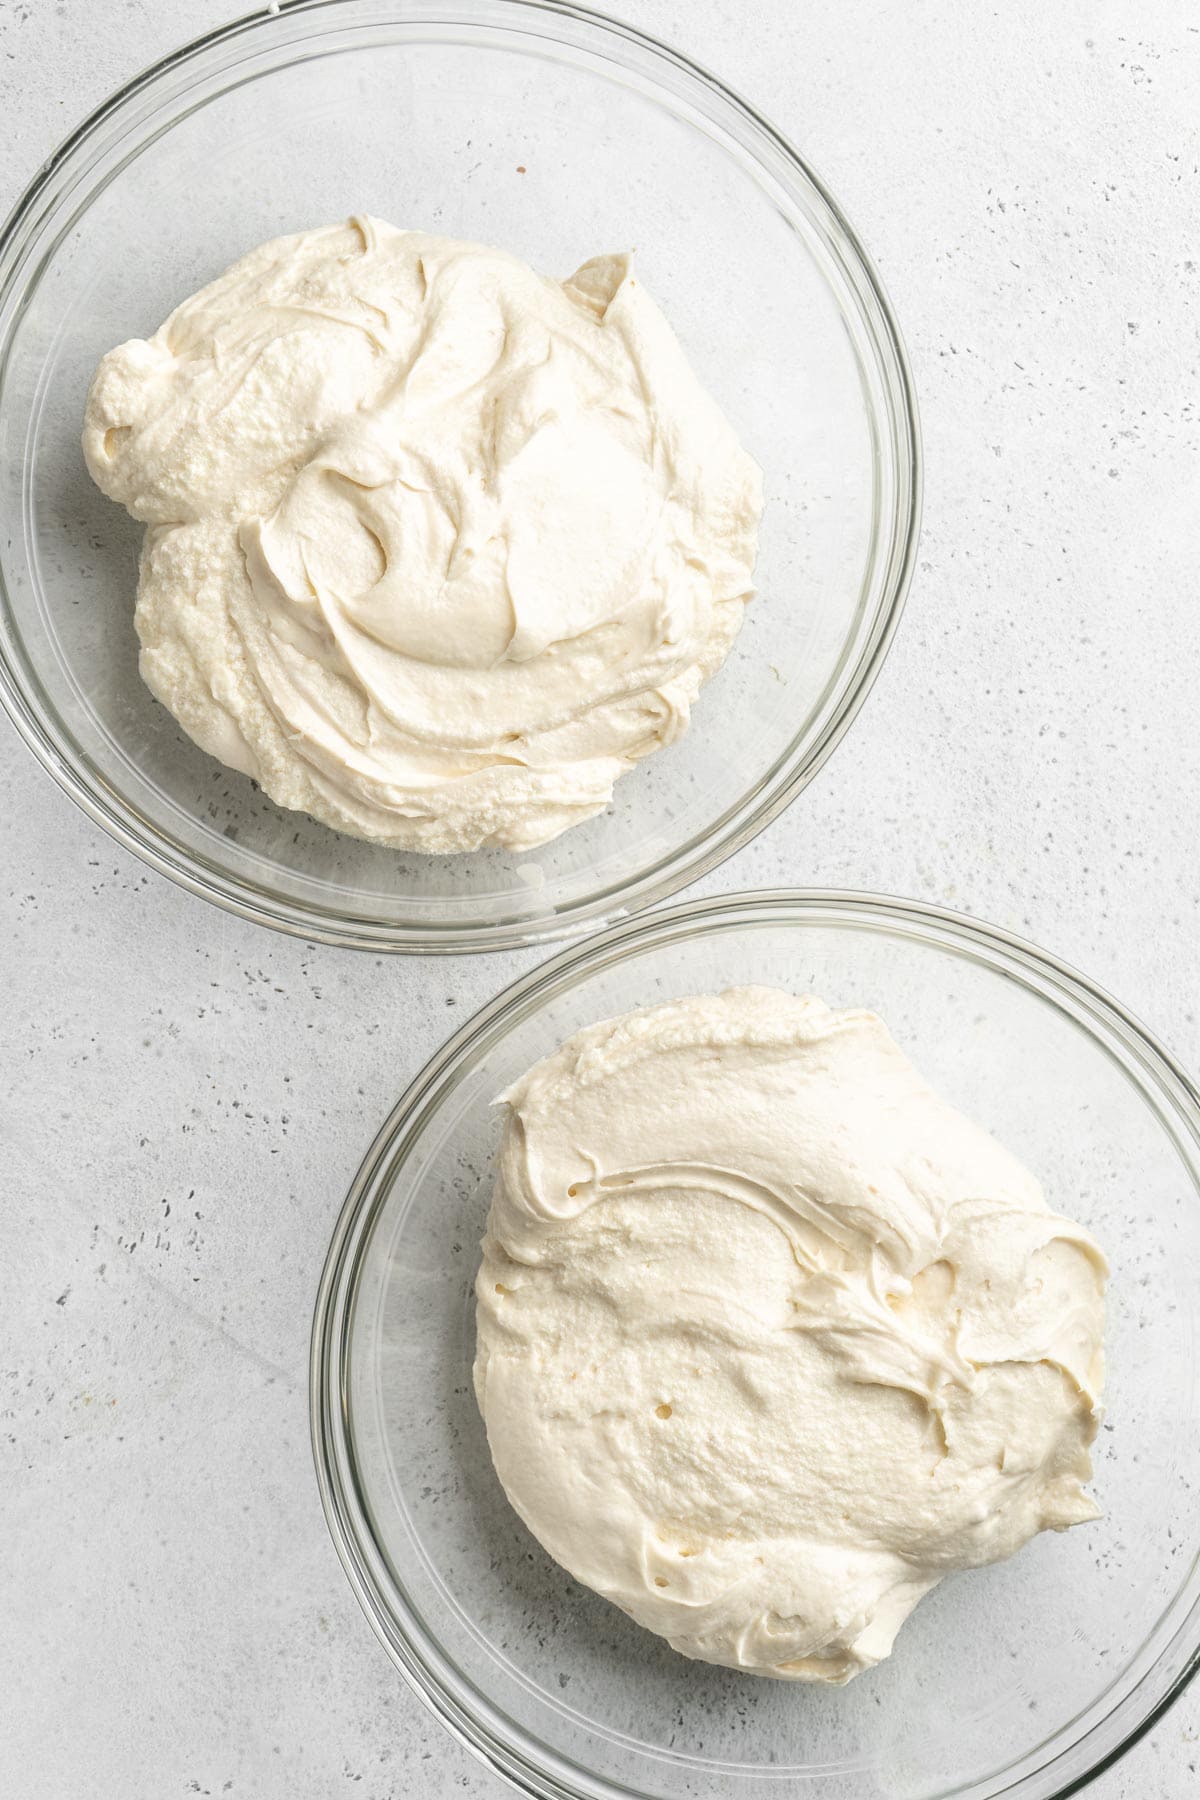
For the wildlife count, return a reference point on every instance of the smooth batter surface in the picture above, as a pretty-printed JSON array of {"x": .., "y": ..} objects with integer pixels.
[
  {"x": 437, "y": 548},
  {"x": 771, "y": 1338}
]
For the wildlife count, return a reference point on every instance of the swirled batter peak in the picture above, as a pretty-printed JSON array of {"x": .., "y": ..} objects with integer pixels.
[
  {"x": 437, "y": 548},
  {"x": 770, "y": 1337}
]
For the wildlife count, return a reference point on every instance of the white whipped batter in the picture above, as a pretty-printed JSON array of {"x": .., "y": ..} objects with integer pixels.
[
  {"x": 437, "y": 548},
  {"x": 771, "y": 1338}
]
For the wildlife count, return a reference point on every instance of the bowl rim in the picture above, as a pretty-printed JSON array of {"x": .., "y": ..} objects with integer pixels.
[
  {"x": 891, "y": 559},
  {"x": 495, "y": 1740}
]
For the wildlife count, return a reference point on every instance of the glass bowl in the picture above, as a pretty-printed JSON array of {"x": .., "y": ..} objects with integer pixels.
[
  {"x": 554, "y": 133},
  {"x": 1022, "y": 1679}
]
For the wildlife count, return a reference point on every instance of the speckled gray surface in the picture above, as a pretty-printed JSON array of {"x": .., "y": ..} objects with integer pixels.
[{"x": 186, "y": 1097}]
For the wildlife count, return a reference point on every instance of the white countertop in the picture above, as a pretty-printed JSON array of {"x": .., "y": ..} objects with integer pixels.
[{"x": 188, "y": 1096}]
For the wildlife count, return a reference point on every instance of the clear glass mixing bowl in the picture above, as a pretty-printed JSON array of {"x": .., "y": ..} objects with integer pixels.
[
  {"x": 1022, "y": 1679},
  {"x": 556, "y": 134}
]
